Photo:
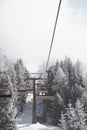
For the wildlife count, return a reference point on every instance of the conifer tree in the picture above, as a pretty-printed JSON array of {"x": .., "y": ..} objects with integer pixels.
[
  {"x": 84, "y": 101},
  {"x": 58, "y": 107},
  {"x": 81, "y": 116},
  {"x": 7, "y": 121},
  {"x": 70, "y": 116},
  {"x": 63, "y": 123},
  {"x": 22, "y": 84}
]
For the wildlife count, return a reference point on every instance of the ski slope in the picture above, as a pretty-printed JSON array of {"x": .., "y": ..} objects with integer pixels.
[{"x": 24, "y": 122}]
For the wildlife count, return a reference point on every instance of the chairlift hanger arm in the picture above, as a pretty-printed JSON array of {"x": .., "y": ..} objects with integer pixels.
[{"x": 53, "y": 34}]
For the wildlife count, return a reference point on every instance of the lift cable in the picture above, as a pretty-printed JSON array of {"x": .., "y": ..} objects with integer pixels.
[{"x": 53, "y": 35}]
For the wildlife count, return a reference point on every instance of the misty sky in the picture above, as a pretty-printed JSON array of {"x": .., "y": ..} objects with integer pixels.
[{"x": 26, "y": 28}]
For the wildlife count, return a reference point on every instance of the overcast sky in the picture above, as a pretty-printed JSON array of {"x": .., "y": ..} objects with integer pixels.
[{"x": 26, "y": 28}]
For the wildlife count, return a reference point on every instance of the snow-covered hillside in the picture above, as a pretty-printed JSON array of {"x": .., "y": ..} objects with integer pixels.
[{"x": 24, "y": 122}]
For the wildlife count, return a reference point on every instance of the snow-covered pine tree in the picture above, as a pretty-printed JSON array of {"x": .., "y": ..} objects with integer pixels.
[
  {"x": 12, "y": 74},
  {"x": 22, "y": 84},
  {"x": 58, "y": 106},
  {"x": 78, "y": 70},
  {"x": 63, "y": 123},
  {"x": 60, "y": 82},
  {"x": 84, "y": 101},
  {"x": 74, "y": 77},
  {"x": 7, "y": 121},
  {"x": 68, "y": 69},
  {"x": 71, "y": 117},
  {"x": 81, "y": 116}
]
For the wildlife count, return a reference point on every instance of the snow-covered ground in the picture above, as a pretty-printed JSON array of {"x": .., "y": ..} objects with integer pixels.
[
  {"x": 37, "y": 126},
  {"x": 24, "y": 122}
]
